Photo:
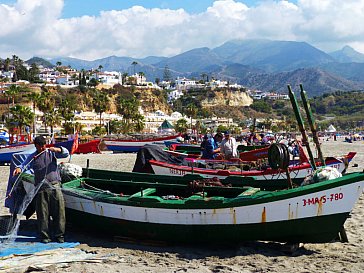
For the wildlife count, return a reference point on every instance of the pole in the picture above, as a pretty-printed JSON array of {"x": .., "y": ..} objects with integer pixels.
[
  {"x": 301, "y": 126},
  {"x": 312, "y": 124}
]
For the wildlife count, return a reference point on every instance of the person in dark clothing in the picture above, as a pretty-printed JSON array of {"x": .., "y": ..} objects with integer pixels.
[
  {"x": 210, "y": 149},
  {"x": 49, "y": 199}
]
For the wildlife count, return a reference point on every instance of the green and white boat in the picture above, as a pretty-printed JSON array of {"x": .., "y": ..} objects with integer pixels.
[{"x": 192, "y": 210}]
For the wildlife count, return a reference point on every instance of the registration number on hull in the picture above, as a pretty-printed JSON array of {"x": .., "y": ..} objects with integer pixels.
[{"x": 177, "y": 172}]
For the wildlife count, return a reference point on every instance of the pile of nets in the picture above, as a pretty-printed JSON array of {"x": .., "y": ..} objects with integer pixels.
[{"x": 321, "y": 174}]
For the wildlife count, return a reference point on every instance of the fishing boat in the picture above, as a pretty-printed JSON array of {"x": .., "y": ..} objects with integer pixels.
[
  {"x": 206, "y": 168},
  {"x": 195, "y": 210},
  {"x": 246, "y": 153},
  {"x": 91, "y": 146},
  {"x": 6, "y": 152},
  {"x": 134, "y": 145}
]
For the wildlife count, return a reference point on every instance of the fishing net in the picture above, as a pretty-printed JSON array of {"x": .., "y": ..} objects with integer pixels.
[
  {"x": 22, "y": 195},
  {"x": 23, "y": 192}
]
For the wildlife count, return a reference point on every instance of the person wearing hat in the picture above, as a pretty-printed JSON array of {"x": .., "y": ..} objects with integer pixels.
[
  {"x": 228, "y": 147},
  {"x": 47, "y": 179}
]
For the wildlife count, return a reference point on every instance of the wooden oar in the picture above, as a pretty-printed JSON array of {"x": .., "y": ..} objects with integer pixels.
[
  {"x": 301, "y": 126},
  {"x": 312, "y": 124}
]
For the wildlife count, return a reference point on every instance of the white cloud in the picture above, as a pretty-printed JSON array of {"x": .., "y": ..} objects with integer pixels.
[{"x": 35, "y": 28}]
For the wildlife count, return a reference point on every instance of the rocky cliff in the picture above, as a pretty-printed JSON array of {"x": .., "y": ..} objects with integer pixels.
[{"x": 227, "y": 98}]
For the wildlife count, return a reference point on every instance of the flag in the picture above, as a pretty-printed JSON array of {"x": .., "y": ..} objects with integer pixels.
[{"x": 75, "y": 144}]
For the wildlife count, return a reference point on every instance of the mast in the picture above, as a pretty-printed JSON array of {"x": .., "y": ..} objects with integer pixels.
[
  {"x": 312, "y": 124},
  {"x": 301, "y": 126}
]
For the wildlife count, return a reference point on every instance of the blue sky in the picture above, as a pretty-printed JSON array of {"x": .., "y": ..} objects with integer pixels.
[
  {"x": 93, "y": 29},
  {"x": 74, "y": 8}
]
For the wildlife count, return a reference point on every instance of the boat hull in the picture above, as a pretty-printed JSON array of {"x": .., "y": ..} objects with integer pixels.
[
  {"x": 132, "y": 146},
  {"x": 313, "y": 214},
  {"x": 6, "y": 153},
  {"x": 296, "y": 172}
]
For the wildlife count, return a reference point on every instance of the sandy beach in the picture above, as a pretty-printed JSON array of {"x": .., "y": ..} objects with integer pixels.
[{"x": 110, "y": 255}]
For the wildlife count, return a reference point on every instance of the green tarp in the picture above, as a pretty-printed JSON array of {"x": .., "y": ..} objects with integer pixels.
[{"x": 166, "y": 125}]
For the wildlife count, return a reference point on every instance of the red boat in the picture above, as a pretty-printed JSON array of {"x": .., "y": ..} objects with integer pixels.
[{"x": 92, "y": 146}]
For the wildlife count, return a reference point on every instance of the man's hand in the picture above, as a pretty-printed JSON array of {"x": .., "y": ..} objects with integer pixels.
[
  {"x": 55, "y": 149},
  {"x": 16, "y": 171}
]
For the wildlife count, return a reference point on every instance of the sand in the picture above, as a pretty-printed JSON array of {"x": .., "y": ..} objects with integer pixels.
[{"x": 114, "y": 256}]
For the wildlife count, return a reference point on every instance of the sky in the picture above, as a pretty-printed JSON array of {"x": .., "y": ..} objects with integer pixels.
[{"x": 94, "y": 29}]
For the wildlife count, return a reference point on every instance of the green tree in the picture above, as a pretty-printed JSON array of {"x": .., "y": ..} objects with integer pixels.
[
  {"x": 100, "y": 103},
  {"x": 12, "y": 92},
  {"x": 191, "y": 111},
  {"x": 46, "y": 104},
  {"x": 34, "y": 98},
  {"x": 181, "y": 125},
  {"x": 67, "y": 106},
  {"x": 139, "y": 122},
  {"x": 53, "y": 118},
  {"x": 128, "y": 108},
  {"x": 167, "y": 74},
  {"x": 21, "y": 116},
  {"x": 124, "y": 77},
  {"x": 93, "y": 82},
  {"x": 34, "y": 73},
  {"x": 134, "y": 64},
  {"x": 261, "y": 106}
]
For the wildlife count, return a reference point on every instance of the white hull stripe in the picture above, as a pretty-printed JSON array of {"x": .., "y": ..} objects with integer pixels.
[{"x": 326, "y": 202}]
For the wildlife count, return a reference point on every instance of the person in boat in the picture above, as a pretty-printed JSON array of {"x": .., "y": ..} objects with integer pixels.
[
  {"x": 209, "y": 148},
  {"x": 293, "y": 149},
  {"x": 218, "y": 137},
  {"x": 49, "y": 199},
  {"x": 228, "y": 147}
]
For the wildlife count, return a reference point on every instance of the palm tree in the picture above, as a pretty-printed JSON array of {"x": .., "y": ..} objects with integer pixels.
[
  {"x": 53, "y": 118},
  {"x": 181, "y": 125},
  {"x": 124, "y": 77},
  {"x": 191, "y": 111},
  {"x": 34, "y": 98},
  {"x": 12, "y": 92},
  {"x": 134, "y": 64},
  {"x": 139, "y": 124},
  {"x": 21, "y": 116},
  {"x": 141, "y": 75},
  {"x": 128, "y": 108},
  {"x": 100, "y": 103},
  {"x": 46, "y": 104},
  {"x": 67, "y": 107}
]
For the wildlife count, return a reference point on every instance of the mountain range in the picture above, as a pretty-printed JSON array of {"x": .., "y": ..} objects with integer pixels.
[{"x": 260, "y": 64}]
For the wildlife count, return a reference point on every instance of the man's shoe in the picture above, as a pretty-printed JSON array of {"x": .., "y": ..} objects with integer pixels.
[
  {"x": 45, "y": 241},
  {"x": 60, "y": 240}
]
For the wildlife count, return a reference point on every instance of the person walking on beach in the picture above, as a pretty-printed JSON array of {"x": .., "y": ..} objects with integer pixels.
[
  {"x": 228, "y": 147},
  {"x": 49, "y": 199}
]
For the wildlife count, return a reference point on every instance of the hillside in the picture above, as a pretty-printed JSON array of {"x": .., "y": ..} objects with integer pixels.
[
  {"x": 261, "y": 64},
  {"x": 347, "y": 55},
  {"x": 272, "y": 56},
  {"x": 315, "y": 81}
]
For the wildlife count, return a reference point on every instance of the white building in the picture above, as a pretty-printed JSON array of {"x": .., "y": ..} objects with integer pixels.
[
  {"x": 67, "y": 80},
  {"x": 109, "y": 77},
  {"x": 49, "y": 75},
  {"x": 185, "y": 84},
  {"x": 173, "y": 95}
]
